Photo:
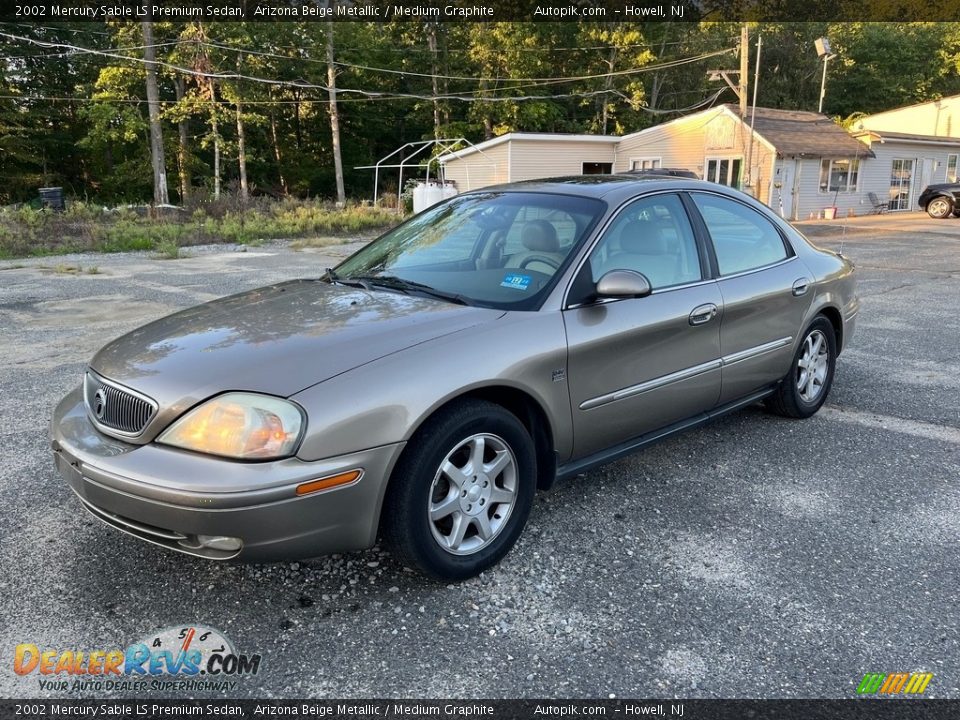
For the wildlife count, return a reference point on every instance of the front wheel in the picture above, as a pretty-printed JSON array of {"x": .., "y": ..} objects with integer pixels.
[
  {"x": 940, "y": 208},
  {"x": 462, "y": 491},
  {"x": 807, "y": 384}
]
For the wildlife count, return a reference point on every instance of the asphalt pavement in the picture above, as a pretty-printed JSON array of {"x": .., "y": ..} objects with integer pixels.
[{"x": 755, "y": 557}]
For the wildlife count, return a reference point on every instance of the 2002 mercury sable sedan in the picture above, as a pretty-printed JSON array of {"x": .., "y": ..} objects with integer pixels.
[{"x": 425, "y": 387}]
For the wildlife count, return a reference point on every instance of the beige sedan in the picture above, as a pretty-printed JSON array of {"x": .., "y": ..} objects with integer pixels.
[{"x": 425, "y": 388}]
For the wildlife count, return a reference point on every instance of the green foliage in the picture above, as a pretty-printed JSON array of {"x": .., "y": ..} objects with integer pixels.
[
  {"x": 79, "y": 120},
  {"x": 25, "y": 231},
  {"x": 168, "y": 249}
]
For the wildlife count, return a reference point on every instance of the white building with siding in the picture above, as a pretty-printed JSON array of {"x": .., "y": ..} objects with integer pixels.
[
  {"x": 799, "y": 163},
  {"x": 915, "y": 146},
  {"x": 528, "y": 156}
]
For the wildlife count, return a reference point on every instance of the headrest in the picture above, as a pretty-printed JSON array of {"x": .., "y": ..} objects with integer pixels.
[
  {"x": 642, "y": 237},
  {"x": 540, "y": 236}
]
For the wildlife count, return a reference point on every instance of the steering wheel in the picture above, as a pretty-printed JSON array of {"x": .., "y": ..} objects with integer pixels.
[{"x": 545, "y": 259}]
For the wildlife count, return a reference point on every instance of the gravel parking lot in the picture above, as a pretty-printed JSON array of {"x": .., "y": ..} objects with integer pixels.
[{"x": 756, "y": 557}]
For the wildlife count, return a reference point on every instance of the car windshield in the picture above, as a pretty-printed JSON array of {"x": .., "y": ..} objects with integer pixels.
[{"x": 495, "y": 249}]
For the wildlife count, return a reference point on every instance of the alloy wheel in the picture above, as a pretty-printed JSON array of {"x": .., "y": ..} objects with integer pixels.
[
  {"x": 472, "y": 494},
  {"x": 812, "y": 366}
]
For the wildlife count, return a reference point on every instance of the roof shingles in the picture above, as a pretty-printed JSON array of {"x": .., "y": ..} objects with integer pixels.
[{"x": 796, "y": 132}]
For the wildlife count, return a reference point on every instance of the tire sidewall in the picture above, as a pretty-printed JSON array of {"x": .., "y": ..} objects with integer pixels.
[
  {"x": 826, "y": 327},
  {"x": 422, "y": 470}
]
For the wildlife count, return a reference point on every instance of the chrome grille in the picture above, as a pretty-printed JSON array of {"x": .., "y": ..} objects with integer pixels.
[{"x": 116, "y": 408}]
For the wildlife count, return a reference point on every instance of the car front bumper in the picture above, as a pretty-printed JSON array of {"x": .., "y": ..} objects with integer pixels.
[{"x": 171, "y": 497}]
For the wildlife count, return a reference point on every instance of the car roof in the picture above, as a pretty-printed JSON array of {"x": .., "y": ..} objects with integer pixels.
[{"x": 601, "y": 186}]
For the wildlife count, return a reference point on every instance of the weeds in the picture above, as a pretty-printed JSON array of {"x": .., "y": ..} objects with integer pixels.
[
  {"x": 168, "y": 250},
  {"x": 83, "y": 227}
]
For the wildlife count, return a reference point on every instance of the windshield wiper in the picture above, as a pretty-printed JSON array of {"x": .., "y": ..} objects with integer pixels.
[
  {"x": 330, "y": 275},
  {"x": 406, "y": 286}
]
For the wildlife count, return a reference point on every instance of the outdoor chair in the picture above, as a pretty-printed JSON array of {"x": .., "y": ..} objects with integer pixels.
[{"x": 879, "y": 206}]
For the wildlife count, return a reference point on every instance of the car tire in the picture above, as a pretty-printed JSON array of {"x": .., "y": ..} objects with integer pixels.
[
  {"x": 448, "y": 515},
  {"x": 805, "y": 387},
  {"x": 940, "y": 208}
]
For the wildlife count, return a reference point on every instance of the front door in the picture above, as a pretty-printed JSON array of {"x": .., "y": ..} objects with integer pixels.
[
  {"x": 639, "y": 364},
  {"x": 784, "y": 188},
  {"x": 901, "y": 183},
  {"x": 928, "y": 167},
  {"x": 766, "y": 292}
]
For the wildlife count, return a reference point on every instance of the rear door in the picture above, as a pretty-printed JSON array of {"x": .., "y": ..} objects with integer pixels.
[
  {"x": 766, "y": 292},
  {"x": 638, "y": 364}
]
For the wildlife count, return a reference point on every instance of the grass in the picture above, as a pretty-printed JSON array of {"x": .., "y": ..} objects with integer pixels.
[
  {"x": 27, "y": 232},
  {"x": 66, "y": 269},
  {"x": 168, "y": 250},
  {"x": 316, "y": 242}
]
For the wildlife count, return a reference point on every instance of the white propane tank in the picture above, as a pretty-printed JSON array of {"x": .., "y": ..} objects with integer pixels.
[{"x": 429, "y": 194}]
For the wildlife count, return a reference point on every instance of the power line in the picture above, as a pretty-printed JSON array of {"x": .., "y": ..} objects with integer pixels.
[
  {"x": 375, "y": 98},
  {"x": 368, "y": 93},
  {"x": 79, "y": 55},
  {"x": 472, "y": 78}
]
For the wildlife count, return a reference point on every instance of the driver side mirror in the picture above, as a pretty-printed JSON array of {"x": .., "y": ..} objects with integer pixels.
[{"x": 623, "y": 284}]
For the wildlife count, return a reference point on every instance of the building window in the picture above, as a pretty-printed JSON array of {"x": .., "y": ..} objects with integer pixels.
[
  {"x": 593, "y": 168},
  {"x": 644, "y": 163},
  {"x": 951, "y": 168},
  {"x": 839, "y": 175},
  {"x": 724, "y": 170}
]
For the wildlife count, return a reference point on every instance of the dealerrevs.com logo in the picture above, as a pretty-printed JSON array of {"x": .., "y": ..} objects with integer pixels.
[
  {"x": 894, "y": 683},
  {"x": 193, "y": 657}
]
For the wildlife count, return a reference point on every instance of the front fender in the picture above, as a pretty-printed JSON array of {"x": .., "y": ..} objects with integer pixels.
[{"x": 385, "y": 401}]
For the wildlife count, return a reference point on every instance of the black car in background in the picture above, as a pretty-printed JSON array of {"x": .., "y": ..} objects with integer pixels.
[
  {"x": 664, "y": 172},
  {"x": 941, "y": 201}
]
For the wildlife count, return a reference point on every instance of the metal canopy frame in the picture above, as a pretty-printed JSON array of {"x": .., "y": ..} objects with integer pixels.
[{"x": 445, "y": 145}]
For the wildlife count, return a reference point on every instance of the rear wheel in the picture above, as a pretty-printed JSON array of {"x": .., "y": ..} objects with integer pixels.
[
  {"x": 461, "y": 494},
  {"x": 807, "y": 384},
  {"x": 940, "y": 208}
]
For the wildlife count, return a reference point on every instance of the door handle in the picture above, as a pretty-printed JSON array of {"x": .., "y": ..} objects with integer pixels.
[
  {"x": 800, "y": 286},
  {"x": 703, "y": 314}
]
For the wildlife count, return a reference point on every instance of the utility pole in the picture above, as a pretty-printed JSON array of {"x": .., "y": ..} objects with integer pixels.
[
  {"x": 751, "y": 180},
  {"x": 160, "y": 196},
  {"x": 744, "y": 68},
  {"x": 740, "y": 89}
]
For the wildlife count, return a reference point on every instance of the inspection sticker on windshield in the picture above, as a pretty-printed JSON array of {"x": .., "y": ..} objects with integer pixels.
[{"x": 517, "y": 282}]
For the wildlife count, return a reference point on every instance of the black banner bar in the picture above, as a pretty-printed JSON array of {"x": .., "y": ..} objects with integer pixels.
[
  {"x": 47, "y": 11},
  {"x": 854, "y": 709}
]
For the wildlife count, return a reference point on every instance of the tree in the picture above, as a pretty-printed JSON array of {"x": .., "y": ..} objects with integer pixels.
[
  {"x": 334, "y": 116},
  {"x": 160, "y": 196}
]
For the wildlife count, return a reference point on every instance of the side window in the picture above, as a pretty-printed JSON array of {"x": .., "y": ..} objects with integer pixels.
[
  {"x": 743, "y": 239},
  {"x": 652, "y": 236}
]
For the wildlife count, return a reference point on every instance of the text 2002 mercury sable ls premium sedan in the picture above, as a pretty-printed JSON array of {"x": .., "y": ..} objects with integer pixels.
[{"x": 429, "y": 384}]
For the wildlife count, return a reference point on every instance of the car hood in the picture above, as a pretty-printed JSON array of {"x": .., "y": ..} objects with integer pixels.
[
  {"x": 942, "y": 186},
  {"x": 278, "y": 340}
]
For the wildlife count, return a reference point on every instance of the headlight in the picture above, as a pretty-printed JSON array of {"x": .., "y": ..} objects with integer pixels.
[{"x": 239, "y": 425}]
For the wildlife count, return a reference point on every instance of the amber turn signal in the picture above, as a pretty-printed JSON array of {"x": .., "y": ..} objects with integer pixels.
[{"x": 329, "y": 482}]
